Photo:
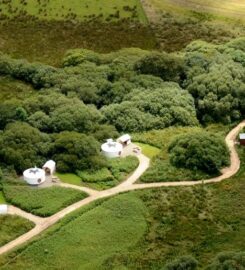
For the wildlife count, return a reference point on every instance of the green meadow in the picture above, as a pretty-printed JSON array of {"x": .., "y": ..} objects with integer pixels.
[{"x": 75, "y": 9}]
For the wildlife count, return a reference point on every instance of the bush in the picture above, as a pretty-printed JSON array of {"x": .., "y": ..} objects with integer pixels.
[
  {"x": 228, "y": 261},
  {"x": 182, "y": 263},
  {"x": 199, "y": 151},
  {"x": 168, "y": 67}
]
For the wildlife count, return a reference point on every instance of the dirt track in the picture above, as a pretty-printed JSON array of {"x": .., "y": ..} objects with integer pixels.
[{"x": 44, "y": 223}]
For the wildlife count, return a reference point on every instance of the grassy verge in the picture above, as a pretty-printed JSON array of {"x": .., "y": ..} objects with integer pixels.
[
  {"x": 148, "y": 150},
  {"x": 70, "y": 178},
  {"x": 116, "y": 171},
  {"x": 41, "y": 201},
  {"x": 161, "y": 170},
  {"x": 13, "y": 226},
  {"x": 143, "y": 230}
]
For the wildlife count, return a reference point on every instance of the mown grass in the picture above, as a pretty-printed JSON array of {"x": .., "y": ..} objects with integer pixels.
[
  {"x": 161, "y": 170},
  {"x": 75, "y": 9},
  {"x": 41, "y": 201},
  {"x": 143, "y": 230},
  {"x": 148, "y": 150},
  {"x": 69, "y": 178},
  {"x": 116, "y": 171},
  {"x": 13, "y": 226}
]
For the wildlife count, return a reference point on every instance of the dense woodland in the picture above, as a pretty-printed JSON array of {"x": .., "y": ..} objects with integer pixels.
[{"x": 93, "y": 96}]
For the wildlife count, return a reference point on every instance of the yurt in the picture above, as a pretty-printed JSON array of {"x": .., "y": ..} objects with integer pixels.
[
  {"x": 34, "y": 176},
  {"x": 49, "y": 167},
  {"x": 3, "y": 209},
  {"x": 111, "y": 149}
]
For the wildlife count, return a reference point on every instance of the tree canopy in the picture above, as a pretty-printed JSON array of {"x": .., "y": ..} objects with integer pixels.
[{"x": 199, "y": 151}]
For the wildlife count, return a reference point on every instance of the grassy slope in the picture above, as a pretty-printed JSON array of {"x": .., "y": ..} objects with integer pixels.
[
  {"x": 110, "y": 228},
  {"x": 201, "y": 221},
  {"x": 13, "y": 226},
  {"x": 176, "y": 23},
  {"x": 60, "y": 9},
  {"x": 41, "y": 201},
  {"x": 232, "y": 9},
  {"x": 47, "y": 38}
]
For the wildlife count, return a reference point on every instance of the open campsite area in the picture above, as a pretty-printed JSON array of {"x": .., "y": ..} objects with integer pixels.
[
  {"x": 122, "y": 135},
  {"x": 143, "y": 229}
]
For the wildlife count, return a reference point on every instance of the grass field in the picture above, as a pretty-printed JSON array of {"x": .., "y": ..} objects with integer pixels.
[
  {"x": 75, "y": 9},
  {"x": 41, "y": 201},
  {"x": 234, "y": 9},
  {"x": 217, "y": 9},
  {"x": 93, "y": 236},
  {"x": 45, "y": 31},
  {"x": 143, "y": 230},
  {"x": 161, "y": 170},
  {"x": 176, "y": 23},
  {"x": 13, "y": 226}
]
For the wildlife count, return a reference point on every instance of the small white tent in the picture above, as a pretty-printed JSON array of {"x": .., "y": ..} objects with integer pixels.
[
  {"x": 125, "y": 139},
  {"x": 34, "y": 176},
  {"x": 3, "y": 209},
  {"x": 49, "y": 167},
  {"x": 111, "y": 149}
]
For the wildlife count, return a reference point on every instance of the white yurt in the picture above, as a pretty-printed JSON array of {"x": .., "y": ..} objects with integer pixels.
[
  {"x": 111, "y": 149},
  {"x": 49, "y": 167},
  {"x": 34, "y": 176},
  {"x": 3, "y": 209}
]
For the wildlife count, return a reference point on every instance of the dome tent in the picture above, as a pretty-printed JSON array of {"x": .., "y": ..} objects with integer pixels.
[{"x": 34, "y": 176}]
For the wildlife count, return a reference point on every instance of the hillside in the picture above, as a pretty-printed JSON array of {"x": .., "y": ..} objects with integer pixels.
[{"x": 139, "y": 106}]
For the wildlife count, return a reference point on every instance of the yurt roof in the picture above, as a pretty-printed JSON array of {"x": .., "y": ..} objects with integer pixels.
[
  {"x": 111, "y": 146},
  {"x": 34, "y": 173}
]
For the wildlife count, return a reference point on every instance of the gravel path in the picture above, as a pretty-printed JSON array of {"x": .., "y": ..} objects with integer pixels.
[{"x": 44, "y": 223}]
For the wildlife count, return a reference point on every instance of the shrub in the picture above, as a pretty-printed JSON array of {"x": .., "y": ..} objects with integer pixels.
[
  {"x": 199, "y": 151},
  {"x": 228, "y": 261},
  {"x": 182, "y": 263}
]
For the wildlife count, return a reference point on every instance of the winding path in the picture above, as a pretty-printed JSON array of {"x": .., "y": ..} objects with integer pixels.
[{"x": 44, "y": 223}]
